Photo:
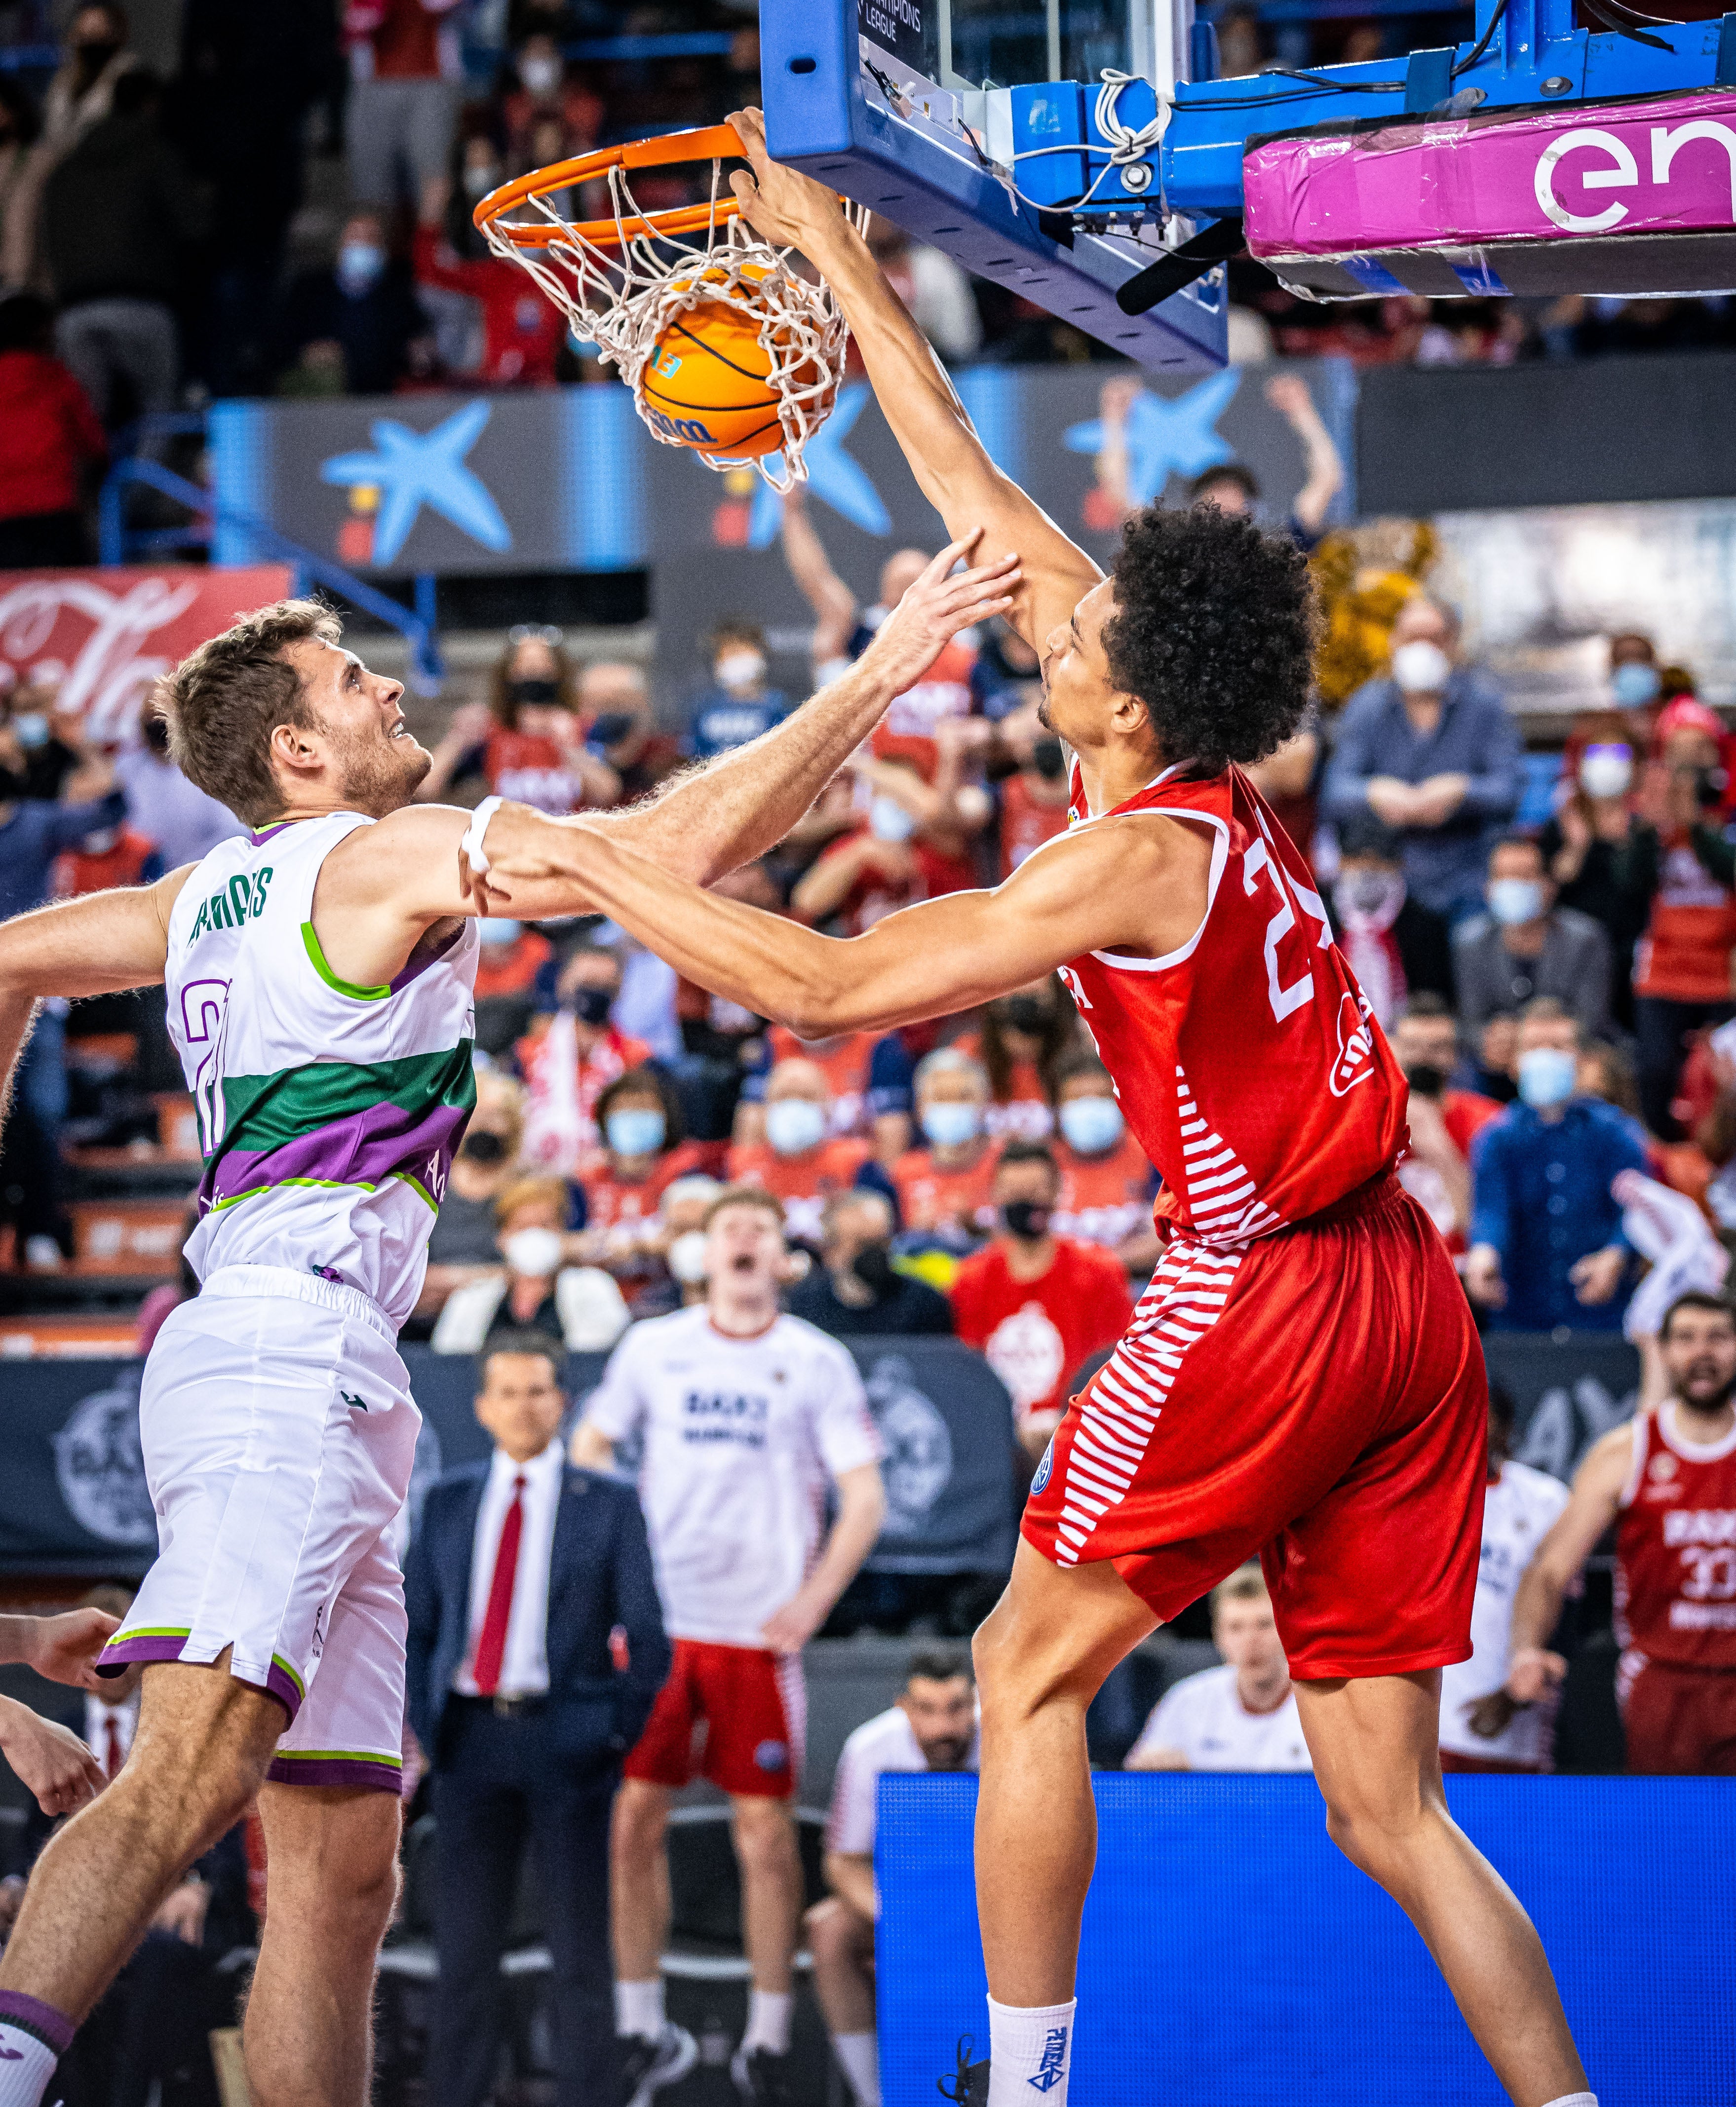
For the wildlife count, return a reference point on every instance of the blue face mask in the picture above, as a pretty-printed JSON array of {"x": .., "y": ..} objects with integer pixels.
[
  {"x": 31, "y": 727},
  {"x": 1090, "y": 1126},
  {"x": 1634, "y": 686},
  {"x": 1546, "y": 1077},
  {"x": 635, "y": 1132},
  {"x": 793, "y": 1125},
  {"x": 950, "y": 1126},
  {"x": 359, "y": 265},
  {"x": 887, "y": 820},
  {"x": 498, "y": 929}
]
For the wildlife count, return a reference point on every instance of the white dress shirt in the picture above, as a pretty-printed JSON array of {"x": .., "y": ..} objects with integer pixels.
[
  {"x": 99, "y": 1717},
  {"x": 524, "y": 1664}
]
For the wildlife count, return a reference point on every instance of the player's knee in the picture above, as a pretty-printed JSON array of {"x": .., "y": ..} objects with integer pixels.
[
  {"x": 1376, "y": 1829},
  {"x": 637, "y": 1829},
  {"x": 764, "y": 1841},
  {"x": 827, "y": 1926}
]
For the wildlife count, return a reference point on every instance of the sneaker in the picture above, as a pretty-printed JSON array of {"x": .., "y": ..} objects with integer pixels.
[
  {"x": 969, "y": 2084},
  {"x": 761, "y": 2077},
  {"x": 648, "y": 2065}
]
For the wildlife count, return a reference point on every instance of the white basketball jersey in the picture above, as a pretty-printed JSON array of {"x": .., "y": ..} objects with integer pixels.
[
  {"x": 328, "y": 1112},
  {"x": 1518, "y": 1512}
]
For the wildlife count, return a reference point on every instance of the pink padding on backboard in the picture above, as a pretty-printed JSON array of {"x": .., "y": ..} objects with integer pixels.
[{"x": 1665, "y": 164}]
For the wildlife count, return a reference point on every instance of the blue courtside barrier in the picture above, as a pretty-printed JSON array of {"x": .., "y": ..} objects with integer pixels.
[{"x": 1232, "y": 1958}]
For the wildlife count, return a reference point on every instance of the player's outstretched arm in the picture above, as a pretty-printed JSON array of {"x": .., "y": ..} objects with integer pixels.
[
  {"x": 1556, "y": 1564},
  {"x": 1138, "y": 881},
  {"x": 98, "y": 945},
  {"x": 949, "y": 461}
]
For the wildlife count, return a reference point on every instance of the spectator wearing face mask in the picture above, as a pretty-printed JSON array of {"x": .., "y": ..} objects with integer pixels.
[
  {"x": 1548, "y": 1249},
  {"x": 406, "y": 73},
  {"x": 1526, "y": 945},
  {"x": 1429, "y": 749},
  {"x": 534, "y": 1288},
  {"x": 801, "y": 1159},
  {"x": 1107, "y": 1186},
  {"x": 1035, "y": 1304},
  {"x": 349, "y": 329},
  {"x": 1679, "y": 861},
  {"x": 1022, "y": 1041},
  {"x": 1636, "y": 682},
  {"x": 859, "y": 1288},
  {"x": 1425, "y": 1038},
  {"x": 49, "y": 433},
  {"x": 543, "y": 93},
  {"x": 106, "y": 857},
  {"x": 1034, "y": 803},
  {"x": 521, "y": 330},
  {"x": 844, "y": 1063},
  {"x": 946, "y": 1187},
  {"x": 615, "y": 701},
  {"x": 645, "y": 1150},
  {"x": 569, "y": 1058},
  {"x": 528, "y": 740},
  {"x": 1394, "y": 945},
  {"x": 679, "y": 1238},
  {"x": 1582, "y": 845},
  {"x": 886, "y": 864},
  {"x": 184, "y": 822},
  {"x": 739, "y": 705},
  {"x": 508, "y": 965},
  {"x": 463, "y": 1246}
]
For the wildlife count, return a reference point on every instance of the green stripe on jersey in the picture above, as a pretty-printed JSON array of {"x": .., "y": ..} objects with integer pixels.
[
  {"x": 262, "y": 1113},
  {"x": 316, "y": 958}
]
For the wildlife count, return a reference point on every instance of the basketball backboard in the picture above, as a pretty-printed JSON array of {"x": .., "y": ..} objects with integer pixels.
[{"x": 894, "y": 103}]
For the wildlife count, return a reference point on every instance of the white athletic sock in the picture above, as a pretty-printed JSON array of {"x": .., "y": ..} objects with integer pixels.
[
  {"x": 1030, "y": 2050},
  {"x": 768, "y": 2021},
  {"x": 639, "y": 2008},
  {"x": 858, "y": 2057},
  {"x": 1574, "y": 2100},
  {"x": 33, "y": 2038}
]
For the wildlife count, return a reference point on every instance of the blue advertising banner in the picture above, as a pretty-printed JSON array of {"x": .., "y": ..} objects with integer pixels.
[{"x": 1231, "y": 1957}]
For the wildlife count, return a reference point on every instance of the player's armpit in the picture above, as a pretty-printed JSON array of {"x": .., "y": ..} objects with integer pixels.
[{"x": 99, "y": 943}]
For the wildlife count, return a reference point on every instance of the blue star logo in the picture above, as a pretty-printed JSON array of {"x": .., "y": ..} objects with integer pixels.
[
  {"x": 414, "y": 469},
  {"x": 1167, "y": 437},
  {"x": 843, "y": 484}
]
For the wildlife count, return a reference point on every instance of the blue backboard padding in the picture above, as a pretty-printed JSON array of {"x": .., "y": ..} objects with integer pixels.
[{"x": 1232, "y": 1958}]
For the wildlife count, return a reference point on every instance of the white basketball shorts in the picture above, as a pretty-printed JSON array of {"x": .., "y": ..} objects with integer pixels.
[{"x": 278, "y": 1434}]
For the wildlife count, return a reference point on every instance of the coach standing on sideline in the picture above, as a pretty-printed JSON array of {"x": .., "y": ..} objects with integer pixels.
[{"x": 523, "y": 1569}]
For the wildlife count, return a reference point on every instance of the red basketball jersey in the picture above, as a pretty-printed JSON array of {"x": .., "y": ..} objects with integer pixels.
[
  {"x": 1247, "y": 1062},
  {"x": 1676, "y": 1548}
]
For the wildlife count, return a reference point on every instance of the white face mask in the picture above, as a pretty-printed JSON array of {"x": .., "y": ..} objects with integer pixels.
[
  {"x": 687, "y": 1257},
  {"x": 534, "y": 1253},
  {"x": 736, "y": 670},
  {"x": 540, "y": 74},
  {"x": 887, "y": 820},
  {"x": 1420, "y": 667},
  {"x": 1606, "y": 772},
  {"x": 793, "y": 1125},
  {"x": 1513, "y": 900}
]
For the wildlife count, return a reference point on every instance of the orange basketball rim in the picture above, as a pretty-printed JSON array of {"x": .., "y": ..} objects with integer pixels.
[{"x": 729, "y": 350}]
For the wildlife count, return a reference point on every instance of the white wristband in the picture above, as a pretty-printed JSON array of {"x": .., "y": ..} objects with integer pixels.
[{"x": 471, "y": 844}]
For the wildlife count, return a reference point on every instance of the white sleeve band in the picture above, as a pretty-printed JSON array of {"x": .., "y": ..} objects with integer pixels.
[{"x": 471, "y": 844}]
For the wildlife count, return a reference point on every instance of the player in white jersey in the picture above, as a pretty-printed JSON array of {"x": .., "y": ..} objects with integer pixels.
[
  {"x": 1482, "y": 1727},
  {"x": 932, "y": 1727},
  {"x": 746, "y": 1416},
  {"x": 319, "y": 976},
  {"x": 1241, "y": 1716}
]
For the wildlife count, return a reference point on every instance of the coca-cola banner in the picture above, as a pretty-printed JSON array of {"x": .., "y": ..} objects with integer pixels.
[{"x": 102, "y": 637}]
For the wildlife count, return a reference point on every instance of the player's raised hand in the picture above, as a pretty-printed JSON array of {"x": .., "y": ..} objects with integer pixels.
[
  {"x": 934, "y": 609},
  {"x": 791, "y": 210}
]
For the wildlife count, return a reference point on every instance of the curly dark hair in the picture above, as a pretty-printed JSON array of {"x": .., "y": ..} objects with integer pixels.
[{"x": 1214, "y": 627}]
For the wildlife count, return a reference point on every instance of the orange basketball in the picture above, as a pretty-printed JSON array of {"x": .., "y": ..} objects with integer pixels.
[{"x": 706, "y": 384}]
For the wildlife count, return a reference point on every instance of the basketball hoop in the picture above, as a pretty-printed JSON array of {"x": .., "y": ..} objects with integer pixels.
[{"x": 728, "y": 350}]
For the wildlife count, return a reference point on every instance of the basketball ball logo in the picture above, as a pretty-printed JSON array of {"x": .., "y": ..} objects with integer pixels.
[
  {"x": 709, "y": 386},
  {"x": 1356, "y": 1061}
]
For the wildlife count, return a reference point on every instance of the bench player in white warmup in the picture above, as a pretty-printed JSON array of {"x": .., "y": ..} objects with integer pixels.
[
  {"x": 319, "y": 976},
  {"x": 746, "y": 1414}
]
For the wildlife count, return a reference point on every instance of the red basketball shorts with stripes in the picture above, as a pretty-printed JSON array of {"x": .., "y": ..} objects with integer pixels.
[{"x": 1317, "y": 1398}]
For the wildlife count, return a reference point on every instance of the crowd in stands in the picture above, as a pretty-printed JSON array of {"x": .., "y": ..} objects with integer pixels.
[{"x": 279, "y": 201}]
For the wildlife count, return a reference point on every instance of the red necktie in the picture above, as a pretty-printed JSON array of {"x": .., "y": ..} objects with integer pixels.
[
  {"x": 113, "y": 1757},
  {"x": 490, "y": 1647}
]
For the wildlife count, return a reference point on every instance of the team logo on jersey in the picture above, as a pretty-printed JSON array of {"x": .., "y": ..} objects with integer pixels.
[
  {"x": 772, "y": 1756},
  {"x": 1356, "y": 1061},
  {"x": 1662, "y": 1468},
  {"x": 1045, "y": 1468}
]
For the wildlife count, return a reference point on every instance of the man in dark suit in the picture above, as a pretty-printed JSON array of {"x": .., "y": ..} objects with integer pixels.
[{"x": 526, "y": 1579}]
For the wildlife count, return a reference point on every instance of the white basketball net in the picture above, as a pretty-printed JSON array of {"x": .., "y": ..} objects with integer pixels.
[{"x": 622, "y": 295}]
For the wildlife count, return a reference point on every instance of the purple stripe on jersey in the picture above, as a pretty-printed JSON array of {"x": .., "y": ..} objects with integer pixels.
[
  {"x": 363, "y": 1149},
  {"x": 167, "y": 1646},
  {"x": 41, "y": 2022},
  {"x": 356, "y": 1773},
  {"x": 264, "y": 833},
  {"x": 420, "y": 966}
]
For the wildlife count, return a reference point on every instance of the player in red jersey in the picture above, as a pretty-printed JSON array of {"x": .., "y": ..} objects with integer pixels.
[
  {"x": 1302, "y": 1379},
  {"x": 1667, "y": 1481}
]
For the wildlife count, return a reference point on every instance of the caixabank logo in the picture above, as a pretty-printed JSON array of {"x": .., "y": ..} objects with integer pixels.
[{"x": 403, "y": 471}]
